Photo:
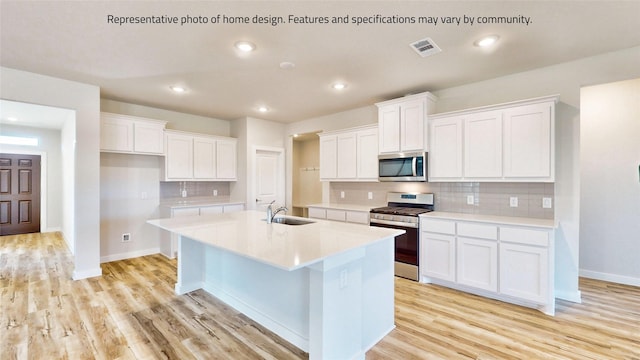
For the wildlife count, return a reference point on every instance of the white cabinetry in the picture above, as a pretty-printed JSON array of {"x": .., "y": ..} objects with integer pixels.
[
  {"x": 328, "y": 213},
  {"x": 199, "y": 157},
  {"x": 483, "y": 145},
  {"x": 445, "y": 157},
  {"x": 402, "y": 123},
  {"x": 349, "y": 155},
  {"x": 131, "y": 134},
  {"x": 508, "y": 142},
  {"x": 501, "y": 261}
]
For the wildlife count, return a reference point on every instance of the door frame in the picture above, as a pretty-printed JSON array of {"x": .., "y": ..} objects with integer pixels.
[
  {"x": 281, "y": 189},
  {"x": 43, "y": 183}
]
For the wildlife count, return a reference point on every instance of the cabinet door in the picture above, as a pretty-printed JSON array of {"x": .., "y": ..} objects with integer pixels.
[
  {"x": 483, "y": 145},
  {"x": 367, "y": 154},
  {"x": 233, "y": 208},
  {"x": 438, "y": 256},
  {"x": 337, "y": 215},
  {"x": 148, "y": 138},
  {"x": 389, "y": 128},
  {"x": 412, "y": 125},
  {"x": 346, "y": 156},
  {"x": 208, "y": 210},
  {"x": 204, "y": 158},
  {"x": 179, "y": 157},
  {"x": 477, "y": 262},
  {"x": 527, "y": 141},
  {"x": 524, "y": 272},
  {"x": 116, "y": 134},
  {"x": 226, "y": 159},
  {"x": 328, "y": 157},
  {"x": 317, "y": 213},
  {"x": 357, "y": 217},
  {"x": 445, "y": 149}
]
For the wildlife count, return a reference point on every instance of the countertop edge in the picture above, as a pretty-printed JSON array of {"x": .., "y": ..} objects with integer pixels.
[
  {"x": 351, "y": 207},
  {"x": 496, "y": 219}
]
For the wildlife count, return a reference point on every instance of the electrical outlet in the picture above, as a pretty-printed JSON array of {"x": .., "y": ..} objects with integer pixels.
[
  {"x": 341, "y": 194},
  {"x": 513, "y": 201},
  {"x": 547, "y": 203},
  {"x": 126, "y": 237},
  {"x": 469, "y": 199},
  {"x": 344, "y": 279},
  {"x": 370, "y": 195},
  {"x": 215, "y": 192},
  {"x": 184, "y": 193}
]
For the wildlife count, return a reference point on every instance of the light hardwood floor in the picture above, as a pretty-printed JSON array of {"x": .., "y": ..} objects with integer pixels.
[{"x": 131, "y": 312}]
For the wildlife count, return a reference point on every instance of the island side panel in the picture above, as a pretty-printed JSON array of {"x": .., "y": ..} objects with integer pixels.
[
  {"x": 378, "y": 289},
  {"x": 277, "y": 299},
  {"x": 190, "y": 265}
]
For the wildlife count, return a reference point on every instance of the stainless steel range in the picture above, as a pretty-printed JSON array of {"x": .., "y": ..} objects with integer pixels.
[{"x": 402, "y": 212}]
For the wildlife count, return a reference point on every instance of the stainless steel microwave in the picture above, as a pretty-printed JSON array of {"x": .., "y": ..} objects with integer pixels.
[{"x": 402, "y": 167}]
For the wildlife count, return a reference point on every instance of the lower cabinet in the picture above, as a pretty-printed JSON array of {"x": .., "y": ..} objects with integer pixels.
[
  {"x": 352, "y": 216},
  {"x": 169, "y": 242},
  {"x": 509, "y": 263}
]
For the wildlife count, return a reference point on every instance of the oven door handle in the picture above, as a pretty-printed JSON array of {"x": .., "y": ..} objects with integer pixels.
[{"x": 393, "y": 223}]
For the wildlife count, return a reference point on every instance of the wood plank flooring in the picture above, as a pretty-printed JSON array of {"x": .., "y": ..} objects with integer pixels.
[{"x": 131, "y": 312}]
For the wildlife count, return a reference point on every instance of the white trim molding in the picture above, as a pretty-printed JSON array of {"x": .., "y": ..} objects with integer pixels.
[
  {"x": 620, "y": 279},
  {"x": 129, "y": 255}
]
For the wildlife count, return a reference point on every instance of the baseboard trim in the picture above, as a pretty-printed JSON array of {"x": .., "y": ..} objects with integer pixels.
[
  {"x": 52, "y": 229},
  {"x": 129, "y": 255},
  {"x": 85, "y": 274},
  {"x": 573, "y": 296},
  {"x": 620, "y": 279}
]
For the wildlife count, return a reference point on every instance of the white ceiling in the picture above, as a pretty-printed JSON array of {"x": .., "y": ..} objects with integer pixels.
[
  {"x": 138, "y": 63},
  {"x": 23, "y": 114}
]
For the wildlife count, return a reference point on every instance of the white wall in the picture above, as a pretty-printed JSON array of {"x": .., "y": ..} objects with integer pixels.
[
  {"x": 51, "y": 178},
  {"x": 85, "y": 100},
  {"x": 68, "y": 144},
  {"x": 610, "y": 182}
]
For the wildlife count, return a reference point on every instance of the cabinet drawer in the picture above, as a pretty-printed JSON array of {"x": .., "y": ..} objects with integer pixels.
[
  {"x": 438, "y": 226},
  {"x": 192, "y": 211},
  {"x": 317, "y": 213},
  {"x": 207, "y": 210},
  {"x": 358, "y": 217},
  {"x": 478, "y": 231},
  {"x": 524, "y": 236},
  {"x": 338, "y": 215},
  {"x": 233, "y": 208}
]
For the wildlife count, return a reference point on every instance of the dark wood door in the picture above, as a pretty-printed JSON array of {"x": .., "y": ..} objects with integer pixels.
[{"x": 19, "y": 194}]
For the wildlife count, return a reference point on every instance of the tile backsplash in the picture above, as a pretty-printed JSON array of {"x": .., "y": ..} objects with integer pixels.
[
  {"x": 173, "y": 189},
  {"x": 488, "y": 198}
]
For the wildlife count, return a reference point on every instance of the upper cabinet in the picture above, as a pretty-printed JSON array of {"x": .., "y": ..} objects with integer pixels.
[
  {"x": 199, "y": 157},
  {"x": 350, "y": 154},
  {"x": 131, "y": 134},
  {"x": 507, "y": 142},
  {"x": 402, "y": 123}
]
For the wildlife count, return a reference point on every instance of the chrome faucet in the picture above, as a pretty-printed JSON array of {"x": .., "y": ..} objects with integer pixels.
[{"x": 272, "y": 214}]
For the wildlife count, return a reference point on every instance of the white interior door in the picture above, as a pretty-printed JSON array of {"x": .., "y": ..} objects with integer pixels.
[{"x": 268, "y": 179}]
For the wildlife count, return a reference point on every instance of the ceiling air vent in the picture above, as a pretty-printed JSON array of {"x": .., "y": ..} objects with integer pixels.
[{"x": 425, "y": 47}]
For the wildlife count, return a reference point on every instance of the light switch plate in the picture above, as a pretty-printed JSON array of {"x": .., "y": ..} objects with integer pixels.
[
  {"x": 513, "y": 201},
  {"x": 341, "y": 194},
  {"x": 547, "y": 203},
  {"x": 469, "y": 199}
]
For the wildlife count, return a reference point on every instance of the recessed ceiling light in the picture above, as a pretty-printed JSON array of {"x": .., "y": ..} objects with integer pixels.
[
  {"x": 263, "y": 109},
  {"x": 487, "y": 41},
  {"x": 245, "y": 46},
  {"x": 287, "y": 65},
  {"x": 339, "y": 86},
  {"x": 295, "y": 135},
  {"x": 11, "y": 118},
  {"x": 178, "y": 89}
]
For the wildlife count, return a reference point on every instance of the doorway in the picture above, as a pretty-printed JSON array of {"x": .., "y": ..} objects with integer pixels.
[
  {"x": 306, "y": 184},
  {"x": 19, "y": 194}
]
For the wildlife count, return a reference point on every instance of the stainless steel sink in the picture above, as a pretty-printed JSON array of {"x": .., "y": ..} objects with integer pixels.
[{"x": 291, "y": 221}]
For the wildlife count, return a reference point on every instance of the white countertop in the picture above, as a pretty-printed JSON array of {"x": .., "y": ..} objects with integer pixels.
[
  {"x": 288, "y": 247},
  {"x": 348, "y": 207},
  {"x": 507, "y": 220},
  {"x": 197, "y": 202}
]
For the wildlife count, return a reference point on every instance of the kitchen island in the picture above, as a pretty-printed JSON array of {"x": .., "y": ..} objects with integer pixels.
[{"x": 326, "y": 287}]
